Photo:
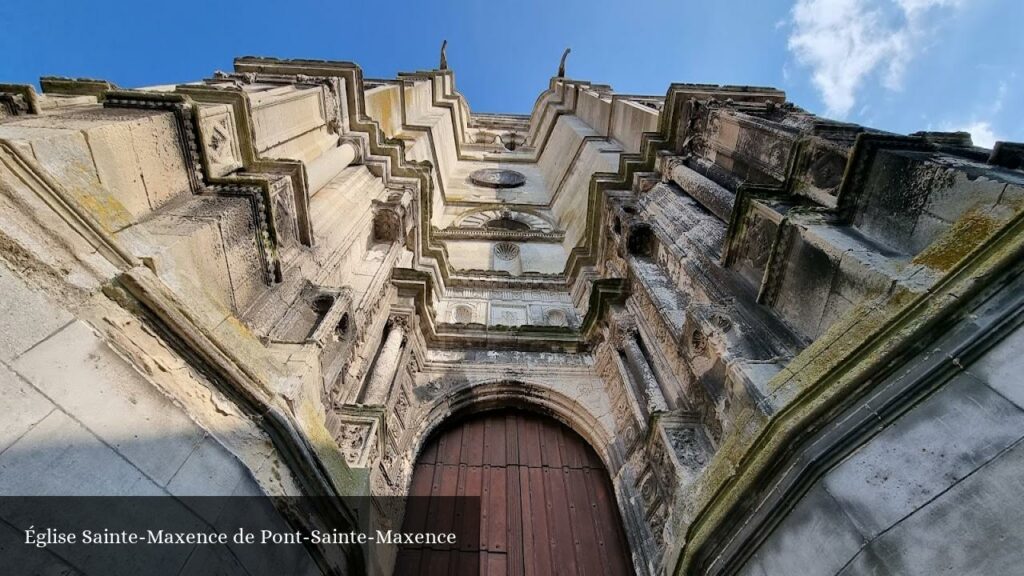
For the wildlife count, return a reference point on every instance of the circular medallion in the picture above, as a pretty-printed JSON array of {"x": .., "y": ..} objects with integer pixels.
[{"x": 497, "y": 178}]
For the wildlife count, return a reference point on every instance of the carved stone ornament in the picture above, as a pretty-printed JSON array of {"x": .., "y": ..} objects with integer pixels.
[
  {"x": 623, "y": 330},
  {"x": 687, "y": 447},
  {"x": 556, "y": 317},
  {"x": 506, "y": 251},
  {"x": 497, "y": 178},
  {"x": 698, "y": 342},
  {"x": 463, "y": 314},
  {"x": 352, "y": 440}
]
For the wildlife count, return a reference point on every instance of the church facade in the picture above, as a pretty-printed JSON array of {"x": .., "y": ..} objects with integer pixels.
[{"x": 706, "y": 332}]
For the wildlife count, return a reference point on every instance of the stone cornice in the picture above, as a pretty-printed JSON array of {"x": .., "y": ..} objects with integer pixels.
[
  {"x": 498, "y": 234},
  {"x": 416, "y": 285},
  {"x": 390, "y": 152}
]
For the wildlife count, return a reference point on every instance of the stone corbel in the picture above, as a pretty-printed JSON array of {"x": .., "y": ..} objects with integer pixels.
[
  {"x": 392, "y": 219},
  {"x": 622, "y": 327}
]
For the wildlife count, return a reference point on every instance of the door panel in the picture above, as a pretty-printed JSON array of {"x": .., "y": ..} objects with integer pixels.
[{"x": 547, "y": 505}]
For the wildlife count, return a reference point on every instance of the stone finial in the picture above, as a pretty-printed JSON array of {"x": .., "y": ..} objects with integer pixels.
[
  {"x": 444, "y": 55},
  {"x": 561, "y": 64}
]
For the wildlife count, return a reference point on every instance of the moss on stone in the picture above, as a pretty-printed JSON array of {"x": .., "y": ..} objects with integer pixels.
[
  {"x": 967, "y": 234},
  {"x": 311, "y": 421}
]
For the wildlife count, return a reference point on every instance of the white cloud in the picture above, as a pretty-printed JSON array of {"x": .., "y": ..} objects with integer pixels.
[{"x": 844, "y": 41}]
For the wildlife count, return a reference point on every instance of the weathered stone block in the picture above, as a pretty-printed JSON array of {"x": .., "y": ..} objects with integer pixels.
[
  {"x": 26, "y": 315},
  {"x": 157, "y": 146},
  {"x": 117, "y": 166},
  {"x": 22, "y": 406},
  {"x": 59, "y": 457},
  {"x": 113, "y": 400},
  {"x": 806, "y": 286}
]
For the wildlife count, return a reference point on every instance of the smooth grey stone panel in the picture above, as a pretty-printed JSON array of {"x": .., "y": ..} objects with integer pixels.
[
  {"x": 815, "y": 539},
  {"x": 21, "y": 407},
  {"x": 1002, "y": 367},
  {"x": 934, "y": 445},
  {"x": 59, "y": 457},
  {"x": 973, "y": 529}
]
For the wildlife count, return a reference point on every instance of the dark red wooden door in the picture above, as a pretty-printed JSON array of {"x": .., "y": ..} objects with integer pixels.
[{"x": 546, "y": 502}]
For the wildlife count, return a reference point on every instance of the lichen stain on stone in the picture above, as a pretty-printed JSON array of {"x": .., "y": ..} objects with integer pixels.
[
  {"x": 968, "y": 233},
  {"x": 239, "y": 328},
  {"x": 110, "y": 213}
]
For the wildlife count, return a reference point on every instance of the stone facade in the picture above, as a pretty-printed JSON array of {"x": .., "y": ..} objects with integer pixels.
[{"x": 754, "y": 315}]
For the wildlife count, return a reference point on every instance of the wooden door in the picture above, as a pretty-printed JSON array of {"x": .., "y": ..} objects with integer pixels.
[{"x": 546, "y": 502}]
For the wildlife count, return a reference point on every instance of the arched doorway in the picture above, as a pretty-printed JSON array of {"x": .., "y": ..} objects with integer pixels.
[{"x": 546, "y": 502}]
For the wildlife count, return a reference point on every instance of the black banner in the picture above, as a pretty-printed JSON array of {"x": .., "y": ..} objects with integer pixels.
[{"x": 252, "y": 536}]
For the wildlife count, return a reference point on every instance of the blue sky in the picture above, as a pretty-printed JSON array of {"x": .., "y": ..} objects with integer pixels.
[{"x": 899, "y": 65}]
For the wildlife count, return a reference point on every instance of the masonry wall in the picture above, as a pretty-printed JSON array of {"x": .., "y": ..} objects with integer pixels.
[
  {"x": 80, "y": 420},
  {"x": 935, "y": 492}
]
